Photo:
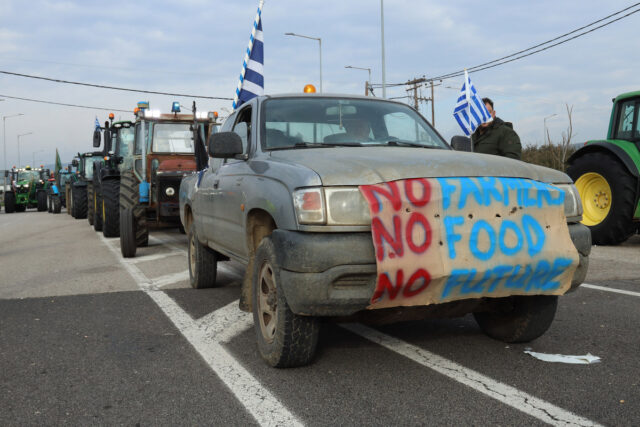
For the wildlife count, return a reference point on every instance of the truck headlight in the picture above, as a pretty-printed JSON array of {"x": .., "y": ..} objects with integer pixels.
[
  {"x": 572, "y": 202},
  {"x": 331, "y": 206}
]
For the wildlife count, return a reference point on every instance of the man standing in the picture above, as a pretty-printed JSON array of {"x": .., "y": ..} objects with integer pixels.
[{"x": 496, "y": 137}]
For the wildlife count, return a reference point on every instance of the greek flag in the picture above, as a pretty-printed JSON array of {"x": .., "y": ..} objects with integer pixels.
[
  {"x": 470, "y": 111},
  {"x": 251, "y": 82},
  {"x": 97, "y": 123}
]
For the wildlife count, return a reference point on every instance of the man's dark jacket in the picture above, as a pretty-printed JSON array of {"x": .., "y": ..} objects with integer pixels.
[{"x": 497, "y": 138}]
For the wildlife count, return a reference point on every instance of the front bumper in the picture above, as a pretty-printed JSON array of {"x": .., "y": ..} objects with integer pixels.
[{"x": 334, "y": 274}]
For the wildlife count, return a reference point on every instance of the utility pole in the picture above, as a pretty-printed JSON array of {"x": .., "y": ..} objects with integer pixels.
[{"x": 416, "y": 84}]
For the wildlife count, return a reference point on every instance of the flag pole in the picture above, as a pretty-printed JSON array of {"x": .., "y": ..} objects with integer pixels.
[
  {"x": 468, "y": 96},
  {"x": 248, "y": 53}
]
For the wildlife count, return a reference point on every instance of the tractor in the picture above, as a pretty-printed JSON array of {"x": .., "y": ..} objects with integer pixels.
[
  {"x": 161, "y": 154},
  {"x": 57, "y": 194},
  {"x": 79, "y": 185},
  {"x": 28, "y": 189},
  {"x": 118, "y": 136},
  {"x": 607, "y": 175}
]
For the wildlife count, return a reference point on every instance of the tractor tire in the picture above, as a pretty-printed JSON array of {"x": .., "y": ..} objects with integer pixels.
[
  {"x": 285, "y": 339},
  {"x": 127, "y": 233},
  {"x": 90, "y": 203},
  {"x": 608, "y": 193},
  {"x": 79, "y": 196},
  {"x": 49, "y": 208},
  {"x": 129, "y": 200},
  {"x": 519, "y": 318},
  {"x": 97, "y": 212},
  {"x": 111, "y": 208},
  {"x": 9, "y": 202},
  {"x": 203, "y": 262},
  {"x": 68, "y": 203},
  {"x": 41, "y": 197},
  {"x": 56, "y": 204}
]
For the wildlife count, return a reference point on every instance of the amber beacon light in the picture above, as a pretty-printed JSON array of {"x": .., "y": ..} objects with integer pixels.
[{"x": 309, "y": 89}]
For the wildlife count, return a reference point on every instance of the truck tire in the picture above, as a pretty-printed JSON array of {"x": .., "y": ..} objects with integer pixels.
[
  {"x": 9, "y": 202},
  {"x": 111, "y": 208},
  {"x": 519, "y": 318},
  {"x": 90, "y": 203},
  {"x": 79, "y": 202},
  {"x": 285, "y": 339},
  {"x": 203, "y": 262},
  {"x": 56, "y": 204},
  {"x": 97, "y": 211},
  {"x": 41, "y": 197},
  {"x": 608, "y": 191}
]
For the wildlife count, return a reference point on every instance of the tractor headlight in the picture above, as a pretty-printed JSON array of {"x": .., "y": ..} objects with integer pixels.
[
  {"x": 331, "y": 206},
  {"x": 170, "y": 191},
  {"x": 572, "y": 202}
]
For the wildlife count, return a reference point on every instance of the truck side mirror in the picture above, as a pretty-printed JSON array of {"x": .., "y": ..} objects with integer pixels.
[
  {"x": 461, "y": 143},
  {"x": 96, "y": 138},
  {"x": 224, "y": 145}
]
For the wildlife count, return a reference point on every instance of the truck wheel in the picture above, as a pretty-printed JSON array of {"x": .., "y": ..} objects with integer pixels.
[
  {"x": 41, "y": 197},
  {"x": 90, "y": 204},
  {"x": 607, "y": 191},
  {"x": 285, "y": 339},
  {"x": 97, "y": 212},
  {"x": 111, "y": 208},
  {"x": 9, "y": 202},
  {"x": 519, "y": 318},
  {"x": 203, "y": 262},
  {"x": 57, "y": 204}
]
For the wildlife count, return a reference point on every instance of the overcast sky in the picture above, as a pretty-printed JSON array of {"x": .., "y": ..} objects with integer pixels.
[{"x": 197, "y": 47}]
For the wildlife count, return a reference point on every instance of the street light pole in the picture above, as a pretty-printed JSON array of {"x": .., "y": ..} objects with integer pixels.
[
  {"x": 384, "y": 72},
  {"x": 4, "y": 143},
  {"x": 319, "y": 46},
  {"x": 22, "y": 134},
  {"x": 365, "y": 69}
]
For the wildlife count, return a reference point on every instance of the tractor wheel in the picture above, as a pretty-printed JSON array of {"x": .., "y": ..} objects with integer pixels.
[
  {"x": 519, "y": 318},
  {"x": 203, "y": 262},
  {"x": 97, "y": 211},
  {"x": 69, "y": 200},
  {"x": 607, "y": 191},
  {"x": 41, "y": 197},
  {"x": 285, "y": 339},
  {"x": 111, "y": 208},
  {"x": 127, "y": 233},
  {"x": 57, "y": 204},
  {"x": 49, "y": 209},
  {"x": 9, "y": 202},
  {"x": 79, "y": 202},
  {"x": 90, "y": 203}
]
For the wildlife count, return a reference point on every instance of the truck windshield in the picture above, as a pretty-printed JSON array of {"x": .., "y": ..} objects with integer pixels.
[
  {"x": 124, "y": 139},
  {"x": 28, "y": 175},
  {"x": 317, "y": 121},
  {"x": 172, "y": 138}
]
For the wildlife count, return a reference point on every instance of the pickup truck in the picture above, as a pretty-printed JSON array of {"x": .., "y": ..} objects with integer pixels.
[{"x": 356, "y": 209}]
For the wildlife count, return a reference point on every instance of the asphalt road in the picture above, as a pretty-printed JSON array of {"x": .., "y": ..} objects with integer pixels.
[{"x": 89, "y": 338}]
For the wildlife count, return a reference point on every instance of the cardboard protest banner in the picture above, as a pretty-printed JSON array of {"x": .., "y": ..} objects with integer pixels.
[{"x": 444, "y": 239}]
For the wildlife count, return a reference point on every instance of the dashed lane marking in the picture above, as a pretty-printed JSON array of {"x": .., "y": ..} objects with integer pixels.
[
  {"x": 503, "y": 393},
  {"x": 607, "y": 289},
  {"x": 153, "y": 257},
  {"x": 207, "y": 340}
]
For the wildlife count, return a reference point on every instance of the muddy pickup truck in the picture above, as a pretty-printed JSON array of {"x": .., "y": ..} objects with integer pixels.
[{"x": 355, "y": 209}]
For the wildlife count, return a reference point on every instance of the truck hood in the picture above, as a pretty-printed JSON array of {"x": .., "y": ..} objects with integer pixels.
[{"x": 372, "y": 165}]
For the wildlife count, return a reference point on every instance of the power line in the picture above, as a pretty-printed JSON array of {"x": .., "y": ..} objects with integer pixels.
[
  {"x": 111, "y": 87},
  {"x": 66, "y": 105},
  {"x": 551, "y": 40},
  {"x": 501, "y": 61}
]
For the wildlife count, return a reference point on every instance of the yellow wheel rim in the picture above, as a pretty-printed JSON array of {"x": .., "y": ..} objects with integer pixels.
[
  {"x": 104, "y": 215},
  {"x": 596, "y": 196}
]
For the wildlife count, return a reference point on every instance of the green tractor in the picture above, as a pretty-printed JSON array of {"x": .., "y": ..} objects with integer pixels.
[
  {"x": 118, "y": 136},
  {"x": 607, "y": 175},
  {"x": 27, "y": 189}
]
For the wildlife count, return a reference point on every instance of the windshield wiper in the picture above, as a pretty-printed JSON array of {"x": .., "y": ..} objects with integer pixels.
[
  {"x": 327, "y": 144},
  {"x": 398, "y": 143}
]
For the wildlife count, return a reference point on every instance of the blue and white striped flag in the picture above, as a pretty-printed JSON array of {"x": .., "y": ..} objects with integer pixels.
[
  {"x": 97, "y": 123},
  {"x": 251, "y": 82},
  {"x": 470, "y": 111}
]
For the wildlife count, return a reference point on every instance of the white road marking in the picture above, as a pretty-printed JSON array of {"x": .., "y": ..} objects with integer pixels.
[
  {"x": 503, "y": 393},
  {"x": 607, "y": 289},
  {"x": 170, "y": 279},
  {"x": 153, "y": 257},
  {"x": 260, "y": 403}
]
